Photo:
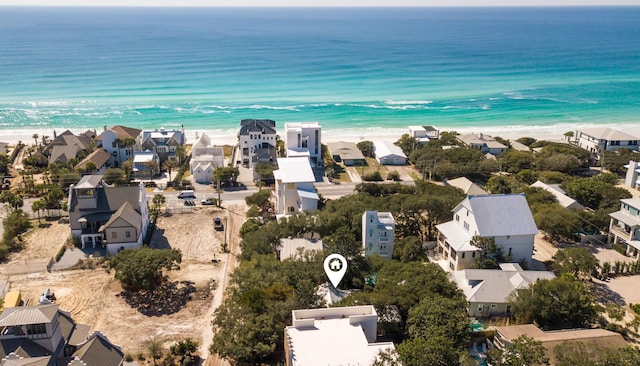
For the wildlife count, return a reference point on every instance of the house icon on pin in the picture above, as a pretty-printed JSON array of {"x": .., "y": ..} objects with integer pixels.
[{"x": 335, "y": 265}]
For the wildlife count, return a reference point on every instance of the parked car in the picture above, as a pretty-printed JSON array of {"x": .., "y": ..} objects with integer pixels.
[
  {"x": 217, "y": 224},
  {"x": 208, "y": 201},
  {"x": 189, "y": 202}
]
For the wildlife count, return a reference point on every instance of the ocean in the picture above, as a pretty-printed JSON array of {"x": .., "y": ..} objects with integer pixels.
[{"x": 358, "y": 71}]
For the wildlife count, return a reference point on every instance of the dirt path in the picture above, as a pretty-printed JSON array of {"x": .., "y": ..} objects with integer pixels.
[{"x": 235, "y": 219}]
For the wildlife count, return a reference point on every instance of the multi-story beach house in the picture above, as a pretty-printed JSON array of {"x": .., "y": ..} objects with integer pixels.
[
  {"x": 146, "y": 164},
  {"x": 257, "y": 141},
  {"x": 67, "y": 146},
  {"x": 294, "y": 186},
  {"x": 304, "y": 139},
  {"x": 624, "y": 227},
  {"x": 600, "y": 139},
  {"x": 44, "y": 335},
  {"x": 506, "y": 218},
  {"x": 120, "y": 142},
  {"x": 102, "y": 216},
  {"x": 485, "y": 143},
  {"x": 337, "y": 336},
  {"x": 632, "y": 179},
  {"x": 205, "y": 158},
  {"x": 163, "y": 142},
  {"x": 378, "y": 233}
]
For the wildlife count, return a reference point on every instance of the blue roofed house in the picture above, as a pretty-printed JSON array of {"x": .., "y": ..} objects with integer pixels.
[
  {"x": 104, "y": 216},
  {"x": 294, "y": 186},
  {"x": 504, "y": 217}
]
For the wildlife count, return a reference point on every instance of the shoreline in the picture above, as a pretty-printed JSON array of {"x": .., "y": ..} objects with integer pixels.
[{"x": 229, "y": 136}]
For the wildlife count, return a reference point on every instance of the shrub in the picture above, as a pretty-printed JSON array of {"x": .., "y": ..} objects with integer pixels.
[
  {"x": 393, "y": 175},
  {"x": 373, "y": 177},
  {"x": 61, "y": 252}
]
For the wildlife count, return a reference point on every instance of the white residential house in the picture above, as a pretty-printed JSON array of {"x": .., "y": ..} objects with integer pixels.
[
  {"x": 102, "y": 216},
  {"x": 389, "y": 154},
  {"x": 146, "y": 164},
  {"x": 120, "y": 142},
  {"x": 487, "y": 290},
  {"x": 304, "y": 139},
  {"x": 378, "y": 233},
  {"x": 424, "y": 134},
  {"x": 564, "y": 200},
  {"x": 504, "y": 217},
  {"x": 205, "y": 158},
  {"x": 484, "y": 143},
  {"x": 624, "y": 228},
  {"x": 600, "y": 139},
  {"x": 333, "y": 337},
  {"x": 632, "y": 179},
  {"x": 294, "y": 186},
  {"x": 163, "y": 142},
  {"x": 256, "y": 137}
]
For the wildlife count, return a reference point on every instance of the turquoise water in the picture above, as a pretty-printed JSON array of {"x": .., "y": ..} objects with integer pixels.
[{"x": 357, "y": 71}]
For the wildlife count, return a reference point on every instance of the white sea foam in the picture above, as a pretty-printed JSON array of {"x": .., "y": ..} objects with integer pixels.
[{"x": 403, "y": 102}]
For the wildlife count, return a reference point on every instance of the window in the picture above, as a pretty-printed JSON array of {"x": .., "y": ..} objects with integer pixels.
[
  {"x": 36, "y": 329},
  {"x": 291, "y": 209},
  {"x": 473, "y": 254},
  {"x": 114, "y": 235},
  {"x": 457, "y": 217},
  {"x": 480, "y": 307},
  {"x": 509, "y": 252},
  {"x": 127, "y": 234},
  {"x": 493, "y": 306},
  {"x": 466, "y": 226},
  {"x": 463, "y": 254}
]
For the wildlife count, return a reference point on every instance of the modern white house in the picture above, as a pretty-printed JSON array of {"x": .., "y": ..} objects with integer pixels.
[
  {"x": 632, "y": 179},
  {"x": 600, "y": 139},
  {"x": 146, "y": 164},
  {"x": 333, "y": 337},
  {"x": 564, "y": 200},
  {"x": 256, "y": 137},
  {"x": 484, "y": 143},
  {"x": 424, "y": 134},
  {"x": 102, "y": 216},
  {"x": 389, "y": 154},
  {"x": 487, "y": 290},
  {"x": 465, "y": 185},
  {"x": 304, "y": 139},
  {"x": 205, "y": 158},
  {"x": 624, "y": 227},
  {"x": 294, "y": 186},
  {"x": 378, "y": 233},
  {"x": 163, "y": 142},
  {"x": 504, "y": 217}
]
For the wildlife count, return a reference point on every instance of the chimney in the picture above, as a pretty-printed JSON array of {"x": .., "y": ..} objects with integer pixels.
[
  {"x": 632, "y": 175},
  {"x": 104, "y": 127}
]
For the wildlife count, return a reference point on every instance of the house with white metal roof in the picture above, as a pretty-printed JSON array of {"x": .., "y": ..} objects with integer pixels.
[
  {"x": 487, "y": 290},
  {"x": 564, "y": 200},
  {"x": 294, "y": 186},
  {"x": 205, "y": 159},
  {"x": 600, "y": 139},
  {"x": 333, "y": 337},
  {"x": 504, "y": 217},
  {"x": 389, "y": 154},
  {"x": 424, "y": 134},
  {"x": 624, "y": 227},
  {"x": 292, "y": 248},
  {"x": 146, "y": 164}
]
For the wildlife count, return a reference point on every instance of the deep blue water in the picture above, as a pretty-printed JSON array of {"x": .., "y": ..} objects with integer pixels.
[{"x": 502, "y": 69}]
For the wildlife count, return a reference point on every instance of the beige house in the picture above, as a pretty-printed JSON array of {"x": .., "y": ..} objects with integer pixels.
[
  {"x": 590, "y": 337},
  {"x": 487, "y": 290}
]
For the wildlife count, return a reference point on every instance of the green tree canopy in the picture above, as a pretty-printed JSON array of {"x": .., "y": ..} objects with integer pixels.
[
  {"x": 522, "y": 351},
  {"x": 143, "y": 269},
  {"x": 562, "y": 302},
  {"x": 437, "y": 315},
  {"x": 366, "y": 148},
  {"x": 225, "y": 174},
  {"x": 579, "y": 262}
]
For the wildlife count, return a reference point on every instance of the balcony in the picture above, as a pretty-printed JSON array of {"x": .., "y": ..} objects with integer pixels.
[
  {"x": 383, "y": 239},
  {"x": 617, "y": 231}
]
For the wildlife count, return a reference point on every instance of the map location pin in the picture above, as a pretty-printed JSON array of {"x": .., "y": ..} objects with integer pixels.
[{"x": 335, "y": 266}]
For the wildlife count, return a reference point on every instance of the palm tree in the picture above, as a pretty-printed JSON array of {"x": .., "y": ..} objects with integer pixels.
[
  {"x": 169, "y": 165},
  {"x": 568, "y": 135},
  {"x": 35, "y": 137},
  {"x": 153, "y": 166},
  {"x": 37, "y": 206},
  {"x": 127, "y": 166},
  {"x": 180, "y": 153}
]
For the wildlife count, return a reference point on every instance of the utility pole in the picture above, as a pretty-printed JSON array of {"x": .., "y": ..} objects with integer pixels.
[{"x": 218, "y": 189}]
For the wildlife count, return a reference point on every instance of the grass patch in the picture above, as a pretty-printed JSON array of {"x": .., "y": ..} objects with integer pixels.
[{"x": 619, "y": 248}]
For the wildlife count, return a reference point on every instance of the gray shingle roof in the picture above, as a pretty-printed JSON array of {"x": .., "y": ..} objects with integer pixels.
[
  {"x": 257, "y": 125},
  {"x": 345, "y": 150},
  {"x": 17, "y": 360},
  {"x": 126, "y": 213},
  {"x": 23, "y": 315},
  {"x": 99, "y": 157}
]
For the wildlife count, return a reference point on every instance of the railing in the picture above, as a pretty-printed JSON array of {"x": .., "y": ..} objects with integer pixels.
[{"x": 619, "y": 232}]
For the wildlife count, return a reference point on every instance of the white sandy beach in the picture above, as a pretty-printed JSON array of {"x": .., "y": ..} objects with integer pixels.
[{"x": 229, "y": 137}]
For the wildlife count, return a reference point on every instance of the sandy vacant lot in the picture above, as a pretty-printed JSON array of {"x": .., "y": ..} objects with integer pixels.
[{"x": 92, "y": 295}]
